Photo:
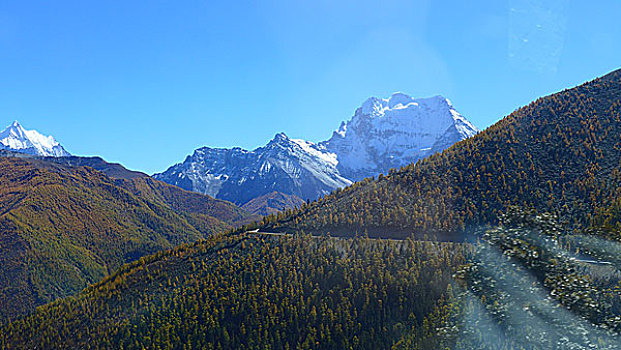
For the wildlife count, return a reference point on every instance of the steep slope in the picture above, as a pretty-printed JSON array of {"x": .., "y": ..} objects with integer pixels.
[
  {"x": 382, "y": 134},
  {"x": 390, "y": 133},
  {"x": 16, "y": 138},
  {"x": 283, "y": 165},
  {"x": 113, "y": 170},
  {"x": 198, "y": 209},
  {"x": 253, "y": 292},
  {"x": 560, "y": 153},
  {"x": 63, "y": 227},
  {"x": 141, "y": 184}
]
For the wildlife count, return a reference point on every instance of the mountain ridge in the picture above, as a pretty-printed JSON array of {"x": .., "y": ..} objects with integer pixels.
[
  {"x": 558, "y": 154},
  {"x": 272, "y": 203},
  {"x": 63, "y": 226},
  {"x": 14, "y": 137},
  {"x": 382, "y": 134},
  {"x": 238, "y": 175}
]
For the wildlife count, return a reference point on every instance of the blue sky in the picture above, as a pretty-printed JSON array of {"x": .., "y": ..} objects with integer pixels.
[{"x": 144, "y": 83}]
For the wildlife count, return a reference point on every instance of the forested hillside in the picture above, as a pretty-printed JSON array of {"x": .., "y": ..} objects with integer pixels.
[
  {"x": 257, "y": 292},
  {"x": 532, "y": 283},
  {"x": 272, "y": 203},
  {"x": 530, "y": 277},
  {"x": 560, "y": 154},
  {"x": 63, "y": 228}
]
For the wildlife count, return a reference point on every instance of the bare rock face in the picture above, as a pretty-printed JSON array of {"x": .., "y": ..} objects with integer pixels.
[
  {"x": 390, "y": 133},
  {"x": 284, "y": 165},
  {"x": 382, "y": 134}
]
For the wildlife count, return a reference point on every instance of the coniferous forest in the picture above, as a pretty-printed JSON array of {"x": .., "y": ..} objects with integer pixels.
[
  {"x": 63, "y": 228},
  {"x": 558, "y": 154},
  {"x": 249, "y": 292},
  {"x": 510, "y": 239}
]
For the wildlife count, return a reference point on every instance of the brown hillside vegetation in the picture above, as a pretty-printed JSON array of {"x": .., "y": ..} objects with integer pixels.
[
  {"x": 272, "y": 203},
  {"x": 62, "y": 228}
]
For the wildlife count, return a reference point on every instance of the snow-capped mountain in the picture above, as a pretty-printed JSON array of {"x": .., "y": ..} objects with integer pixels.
[
  {"x": 390, "y": 133},
  {"x": 382, "y": 134},
  {"x": 16, "y": 138},
  {"x": 293, "y": 167}
]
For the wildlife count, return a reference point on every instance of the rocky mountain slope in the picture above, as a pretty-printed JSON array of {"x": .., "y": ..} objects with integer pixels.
[
  {"x": 284, "y": 165},
  {"x": 558, "y": 154},
  {"x": 390, "y": 133},
  {"x": 382, "y": 134},
  {"x": 16, "y": 138}
]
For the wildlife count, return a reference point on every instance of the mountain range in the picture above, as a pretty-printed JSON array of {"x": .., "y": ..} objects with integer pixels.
[
  {"x": 255, "y": 289},
  {"x": 382, "y": 134},
  {"x": 66, "y": 222},
  {"x": 16, "y": 138}
]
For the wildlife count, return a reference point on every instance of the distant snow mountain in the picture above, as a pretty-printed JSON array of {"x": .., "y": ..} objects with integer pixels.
[
  {"x": 16, "y": 138},
  {"x": 382, "y": 134},
  {"x": 390, "y": 133},
  {"x": 292, "y": 167}
]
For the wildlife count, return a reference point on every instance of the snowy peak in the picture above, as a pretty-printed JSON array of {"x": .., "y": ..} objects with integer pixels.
[
  {"x": 16, "y": 138},
  {"x": 290, "y": 166},
  {"x": 432, "y": 114},
  {"x": 391, "y": 132},
  {"x": 383, "y": 133},
  {"x": 399, "y": 99},
  {"x": 280, "y": 137},
  {"x": 281, "y": 140},
  {"x": 379, "y": 107}
]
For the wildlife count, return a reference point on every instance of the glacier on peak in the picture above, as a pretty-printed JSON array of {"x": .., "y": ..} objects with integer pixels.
[
  {"x": 383, "y": 133},
  {"x": 392, "y": 132},
  {"x": 15, "y": 138}
]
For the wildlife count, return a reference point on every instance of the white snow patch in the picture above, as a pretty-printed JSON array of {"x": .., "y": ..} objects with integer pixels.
[
  {"x": 16, "y": 138},
  {"x": 311, "y": 148}
]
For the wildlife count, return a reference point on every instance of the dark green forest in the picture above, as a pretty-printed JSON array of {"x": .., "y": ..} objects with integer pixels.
[{"x": 253, "y": 292}]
